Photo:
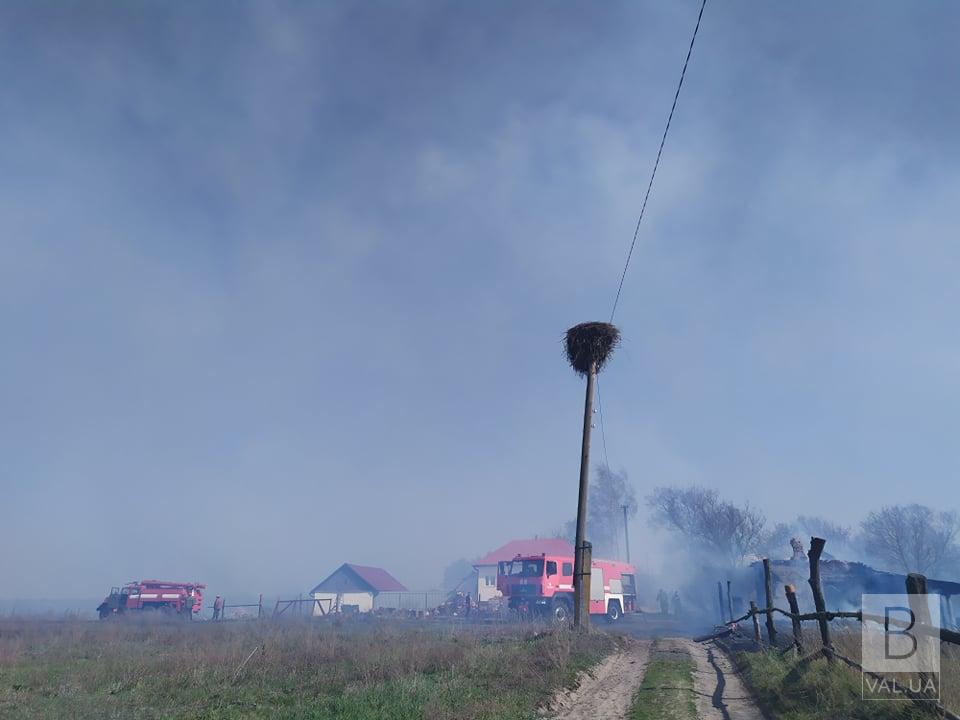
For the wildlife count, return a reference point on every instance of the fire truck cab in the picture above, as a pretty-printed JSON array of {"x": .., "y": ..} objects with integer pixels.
[{"x": 543, "y": 584}]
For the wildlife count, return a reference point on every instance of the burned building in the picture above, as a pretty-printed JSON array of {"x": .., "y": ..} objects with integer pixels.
[{"x": 843, "y": 584}]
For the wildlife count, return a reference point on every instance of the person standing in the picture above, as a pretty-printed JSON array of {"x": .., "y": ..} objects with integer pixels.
[
  {"x": 188, "y": 602},
  {"x": 677, "y": 608},
  {"x": 664, "y": 602},
  {"x": 217, "y": 608}
]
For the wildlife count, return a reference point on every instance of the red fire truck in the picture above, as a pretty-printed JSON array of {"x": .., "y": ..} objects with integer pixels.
[
  {"x": 182, "y": 599},
  {"x": 543, "y": 584}
]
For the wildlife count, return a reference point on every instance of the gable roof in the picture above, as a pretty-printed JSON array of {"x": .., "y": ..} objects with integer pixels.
[
  {"x": 377, "y": 578},
  {"x": 535, "y": 546},
  {"x": 351, "y": 577}
]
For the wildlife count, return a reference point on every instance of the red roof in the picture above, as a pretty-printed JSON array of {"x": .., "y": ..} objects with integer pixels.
[
  {"x": 547, "y": 546},
  {"x": 377, "y": 578}
]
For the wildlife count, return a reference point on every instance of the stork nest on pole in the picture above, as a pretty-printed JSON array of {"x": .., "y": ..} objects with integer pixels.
[{"x": 589, "y": 343}]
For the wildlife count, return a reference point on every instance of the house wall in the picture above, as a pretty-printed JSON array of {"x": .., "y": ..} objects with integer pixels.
[
  {"x": 330, "y": 600},
  {"x": 486, "y": 588}
]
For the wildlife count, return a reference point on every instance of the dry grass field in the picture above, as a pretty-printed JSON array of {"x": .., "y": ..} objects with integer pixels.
[
  {"x": 818, "y": 691},
  {"x": 296, "y": 669}
]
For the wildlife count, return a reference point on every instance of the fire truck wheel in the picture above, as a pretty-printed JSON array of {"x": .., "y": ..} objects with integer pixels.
[
  {"x": 560, "y": 611},
  {"x": 613, "y": 611}
]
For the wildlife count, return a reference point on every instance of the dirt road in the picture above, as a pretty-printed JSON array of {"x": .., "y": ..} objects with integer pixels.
[
  {"x": 720, "y": 694},
  {"x": 607, "y": 693}
]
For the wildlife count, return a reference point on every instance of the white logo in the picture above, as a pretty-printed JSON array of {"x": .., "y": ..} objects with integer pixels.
[{"x": 901, "y": 643}]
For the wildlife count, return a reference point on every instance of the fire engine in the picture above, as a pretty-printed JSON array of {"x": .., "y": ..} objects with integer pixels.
[
  {"x": 183, "y": 599},
  {"x": 543, "y": 584}
]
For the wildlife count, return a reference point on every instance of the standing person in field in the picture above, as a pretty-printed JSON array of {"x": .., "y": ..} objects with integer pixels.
[
  {"x": 188, "y": 602},
  {"x": 217, "y": 608},
  {"x": 677, "y": 608},
  {"x": 469, "y": 604},
  {"x": 664, "y": 602}
]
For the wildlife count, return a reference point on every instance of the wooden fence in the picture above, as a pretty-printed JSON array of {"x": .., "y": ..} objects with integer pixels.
[
  {"x": 915, "y": 585},
  {"x": 307, "y": 605},
  {"x": 418, "y": 601},
  {"x": 223, "y": 611}
]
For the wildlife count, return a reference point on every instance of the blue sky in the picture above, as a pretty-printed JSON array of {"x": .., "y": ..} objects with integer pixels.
[{"x": 283, "y": 285}]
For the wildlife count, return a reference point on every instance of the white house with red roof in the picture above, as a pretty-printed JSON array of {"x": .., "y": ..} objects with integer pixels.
[
  {"x": 486, "y": 566},
  {"x": 353, "y": 587}
]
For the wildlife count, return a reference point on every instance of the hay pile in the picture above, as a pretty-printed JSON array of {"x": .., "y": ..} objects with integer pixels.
[{"x": 590, "y": 342}]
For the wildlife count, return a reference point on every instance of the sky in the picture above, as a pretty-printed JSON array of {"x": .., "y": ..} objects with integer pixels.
[{"x": 283, "y": 285}]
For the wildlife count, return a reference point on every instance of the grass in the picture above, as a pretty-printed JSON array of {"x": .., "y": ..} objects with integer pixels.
[
  {"x": 666, "y": 692},
  {"x": 788, "y": 690},
  {"x": 352, "y": 671}
]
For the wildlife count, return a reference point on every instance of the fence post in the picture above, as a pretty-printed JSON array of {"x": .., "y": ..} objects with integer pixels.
[
  {"x": 791, "y": 592},
  {"x": 720, "y": 600},
  {"x": 917, "y": 586},
  {"x": 729, "y": 601},
  {"x": 756, "y": 621},
  {"x": 816, "y": 549},
  {"x": 768, "y": 589}
]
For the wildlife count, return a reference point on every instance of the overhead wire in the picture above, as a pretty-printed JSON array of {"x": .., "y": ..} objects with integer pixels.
[
  {"x": 603, "y": 433},
  {"x": 656, "y": 164},
  {"x": 643, "y": 207}
]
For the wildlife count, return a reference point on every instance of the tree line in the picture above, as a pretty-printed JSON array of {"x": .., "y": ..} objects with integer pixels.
[
  {"x": 900, "y": 538},
  {"x": 903, "y": 538}
]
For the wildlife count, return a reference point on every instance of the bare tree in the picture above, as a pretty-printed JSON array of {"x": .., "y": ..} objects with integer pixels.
[
  {"x": 912, "y": 538},
  {"x": 707, "y": 521},
  {"x": 776, "y": 542},
  {"x": 833, "y": 533},
  {"x": 609, "y": 492},
  {"x": 456, "y": 572}
]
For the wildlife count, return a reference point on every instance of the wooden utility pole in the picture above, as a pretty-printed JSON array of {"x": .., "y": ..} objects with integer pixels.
[
  {"x": 581, "y": 599},
  {"x": 588, "y": 346},
  {"x": 626, "y": 532}
]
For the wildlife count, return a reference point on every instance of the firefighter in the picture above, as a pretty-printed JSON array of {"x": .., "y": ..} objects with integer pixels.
[
  {"x": 217, "y": 608},
  {"x": 664, "y": 602},
  {"x": 188, "y": 602},
  {"x": 676, "y": 602}
]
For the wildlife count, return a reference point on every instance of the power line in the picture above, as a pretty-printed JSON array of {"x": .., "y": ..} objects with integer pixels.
[
  {"x": 656, "y": 163},
  {"x": 643, "y": 207},
  {"x": 603, "y": 433}
]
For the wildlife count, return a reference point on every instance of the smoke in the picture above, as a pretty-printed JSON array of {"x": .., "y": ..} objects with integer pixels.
[{"x": 283, "y": 284}]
